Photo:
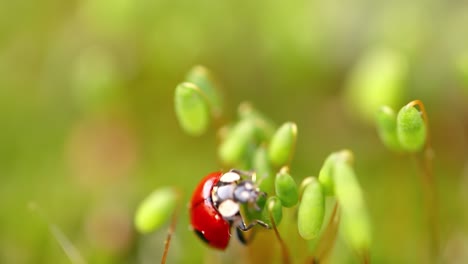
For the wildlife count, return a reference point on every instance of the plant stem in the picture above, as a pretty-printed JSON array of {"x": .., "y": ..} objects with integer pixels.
[
  {"x": 67, "y": 246},
  {"x": 286, "y": 259},
  {"x": 171, "y": 230},
  {"x": 428, "y": 183},
  {"x": 328, "y": 238}
]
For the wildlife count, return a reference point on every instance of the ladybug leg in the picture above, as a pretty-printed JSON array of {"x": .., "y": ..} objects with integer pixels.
[
  {"x": 241, "y": 237},
  {"x": 242, "y": 226},
  {"x": 249, "y": 174}
]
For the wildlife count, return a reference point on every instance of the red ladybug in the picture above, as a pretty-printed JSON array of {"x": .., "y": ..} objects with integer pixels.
[{"x": 215, "y": 207}]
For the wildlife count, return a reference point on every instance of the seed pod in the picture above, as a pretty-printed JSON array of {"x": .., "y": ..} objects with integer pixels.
[
  {"x": 355, "y": 219},
  {"x": 386, "y": 128},
  {"x": 263, "y": 169},
  {"x": 311, "y": 210},
  {"x": 286, "y": 188},
  {"x": 202, "y": 78},
  {"x": 411, "y": 129},
  {"x": 282, "y": 144},
  {"x": 155, "y": 210},
  {"x": 191, "y": 109},
  {"x": 378, "y": 79},
  {"x": 326, "y": 175},
  {"x": 273, "y": 206},
  {"x": 264, "y": 126},
  {"x": 236, "y": 145}
]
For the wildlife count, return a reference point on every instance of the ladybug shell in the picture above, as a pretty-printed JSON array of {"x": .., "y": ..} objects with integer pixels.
[{"x": 205, "y": 219}]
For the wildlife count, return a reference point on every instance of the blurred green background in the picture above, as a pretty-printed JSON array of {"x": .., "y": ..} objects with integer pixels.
[{"x": 87, "y": 126}]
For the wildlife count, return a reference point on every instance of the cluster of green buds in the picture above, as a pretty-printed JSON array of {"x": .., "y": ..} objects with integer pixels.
[
  {"x": 406, "y": 131},
  {"x": 254, "y": 143}
]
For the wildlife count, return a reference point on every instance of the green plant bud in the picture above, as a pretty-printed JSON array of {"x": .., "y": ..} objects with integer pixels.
[
  {"x": 311, "y": 210},
  {"x": 202, "y": 77},
  {"x": 326, "y": 175},
  {"x": 156, "y": 209},
  {"x": 286, "y": 188},
  {"x": 191, "y": 109},
  {"x": 273, "y": 206},
  {"x": 236, "y": 145},
  {"x": 265, "y": 127},
  {"x": 355, "y": 219},
  {"x": 411, "y": 129},
  {"x": 305, "y": 182},
  {"x": 96, "y": 80},
  {"x": 377, "y": 79},
  {"x": 386, "y": 128},
  {"x": 282, "y": 144},
  {"x": 263, "y": 170}
]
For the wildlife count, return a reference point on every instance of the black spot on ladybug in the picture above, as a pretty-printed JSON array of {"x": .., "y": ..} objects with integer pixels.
[{"x": 201, "y": 236}]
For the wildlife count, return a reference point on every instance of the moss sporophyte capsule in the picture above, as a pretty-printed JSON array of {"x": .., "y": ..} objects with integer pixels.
[
  {"x": 282, "y": 144},
  {"x": 156, "y": 209},
  {"x": 192, "y": 109},
  {"x": 411, "y": 129},
  {"x": 286, "y": 188},
  {"x": 311, "y": 210}
]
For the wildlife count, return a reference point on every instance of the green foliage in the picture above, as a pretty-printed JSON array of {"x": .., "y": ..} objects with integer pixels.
[
  {"x": 326, "y": 175},
  {"x": 265, "y": 128},
  {"x": 236, "y": 144},
  {"x": 387, "y": 128},
  {"x": 405, "y": 132},
  {"x": 191, "y": 109},
  {"x": 286, "y": 188},
  {"x": 377, "y": 79},
  {"x": 243, "y": 143},
  {"x": 355, "y": 221},
  {"x": 274, "y": 208},
  {"x": 202, "y": 78},
  {"x": 155, "y": 210},
  {"x": 282, "y": 144},
  {"x": 86, "y": 89},
  {"x": 311, "y": 210},
  {"x": 411, "y": 129},
  {"x": 263, "y": 169}
]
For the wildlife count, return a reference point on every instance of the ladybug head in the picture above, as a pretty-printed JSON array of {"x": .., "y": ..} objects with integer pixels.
[{"x": 231, "y": 191}]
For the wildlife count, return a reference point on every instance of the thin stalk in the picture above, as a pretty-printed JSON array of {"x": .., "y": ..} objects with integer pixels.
[
  {"x": 286, "y": 259},
  {"x": 67, "y": 246},
  {"x": 171, "y": 230},
  {"x": 428, "y": 183},
  {"x": 327, "y": 241}
]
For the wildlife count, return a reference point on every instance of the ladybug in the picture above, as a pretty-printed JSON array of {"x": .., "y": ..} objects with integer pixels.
[{"x": 216, "y": 203}]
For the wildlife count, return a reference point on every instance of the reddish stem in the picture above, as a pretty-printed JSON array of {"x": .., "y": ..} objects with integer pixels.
[
  {"x": 284, "y": 249},
  {"x": 428, "y": 182},
  {"x": 171, "y": 230},
  {"x": 327, "y": 241}
]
